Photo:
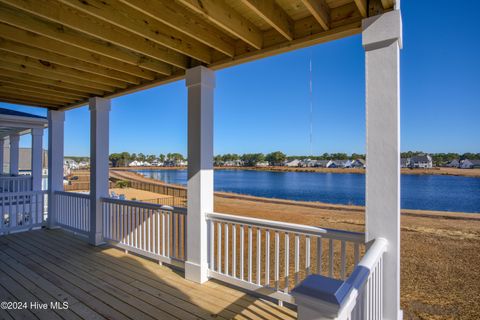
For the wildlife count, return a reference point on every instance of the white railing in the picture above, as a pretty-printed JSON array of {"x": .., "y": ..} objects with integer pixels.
[
  {"x": 271, "y": 257},
  {"x": 151, "y": 230},
  {"x": 12, "y": 184},
  {"x": 365, "y": 300},
  {"x": 359, "y": 297},
  {"x": 21, "y": 211},
  {"x": 73, "y": 211}
]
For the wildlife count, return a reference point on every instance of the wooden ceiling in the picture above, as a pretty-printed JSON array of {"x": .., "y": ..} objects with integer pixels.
[{"x": 58, "y": 53}]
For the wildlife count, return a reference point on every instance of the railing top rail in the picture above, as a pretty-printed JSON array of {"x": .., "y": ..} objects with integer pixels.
[
  {"x": 23, "y": 193},
  {"x": 267, "y": 224},
  {"x": 73, "y": 194},
  {"x": 146, "y": 205}
]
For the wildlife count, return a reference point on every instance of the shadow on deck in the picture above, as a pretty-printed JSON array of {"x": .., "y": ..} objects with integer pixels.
[{"x": 45, "y": 266}]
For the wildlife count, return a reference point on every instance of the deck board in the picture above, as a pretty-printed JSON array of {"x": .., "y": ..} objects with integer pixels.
[{"x": 104, "y": 282}]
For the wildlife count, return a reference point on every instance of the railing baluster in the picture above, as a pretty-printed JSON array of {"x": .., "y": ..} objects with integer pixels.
[
  {"x": 319, "y": 255},
  {"x": 343, "y": 260},
  {"x": 249, "y": 254},
  {"x": 163, "y": 233},
  {"x": 330, "y": 257},
  {"x": 267, "y": 257},
  {"x": 242, "y": 251},
  {"x": 234, "y": 250},
  {"x": 259, "y": 255},
  {"x": 277, "y": 261},
  {"x": 356, "y": 253},
  {"x": 226, "y": 249},
  {"x": 287, "y": 261},
  {"x": 307, "y": 255},
  {"x": 297, "y": 258},
  {"x": 212, "y": 244},
  {"x": 219, "y": 247}
]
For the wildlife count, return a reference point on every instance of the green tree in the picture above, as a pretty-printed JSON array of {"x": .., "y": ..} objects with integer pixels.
[
  {"x": 251, "y": 159},
  {"x": 276, "y": 158}
]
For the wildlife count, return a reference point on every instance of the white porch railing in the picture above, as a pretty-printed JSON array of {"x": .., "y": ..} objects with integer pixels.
[
  {"x": 359, "y": 297},
  {"x": 73, "y": 211},
  {"x": 21, "y": 211},
  {"x": 12, "y": 184},
  {"x": 271, "y": 257},
  {"x": 151, "y": 230}
]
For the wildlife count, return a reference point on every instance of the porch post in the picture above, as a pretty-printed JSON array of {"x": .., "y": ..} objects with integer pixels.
[
  {"x": 382, "y": 40},
  {"x": 99, "y": 147},
  {"x": 56, "y": 121},
  {"x": 2, "y": 154},
  {"x": 200, "y": 82},
  {"x": 37, "y": 157},
  {"x": 14, "y": 153}
]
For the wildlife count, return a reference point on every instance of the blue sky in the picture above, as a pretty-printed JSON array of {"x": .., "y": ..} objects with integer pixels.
[{"x": 263, "y": 106}]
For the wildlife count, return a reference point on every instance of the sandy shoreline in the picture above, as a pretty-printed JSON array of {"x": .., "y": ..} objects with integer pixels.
[{"x": 434, "y": 171}]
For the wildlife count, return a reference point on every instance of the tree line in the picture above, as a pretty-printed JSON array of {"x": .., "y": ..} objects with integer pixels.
[{"x": 124, "y": 158}]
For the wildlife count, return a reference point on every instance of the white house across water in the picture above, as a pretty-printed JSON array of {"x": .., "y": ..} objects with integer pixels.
[{"x": 63, "y": 54}]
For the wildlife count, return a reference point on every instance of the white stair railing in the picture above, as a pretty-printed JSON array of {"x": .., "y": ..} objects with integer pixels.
[
  {"x": 271, "y": 257},
  {"x": 154, "y": 231},
  {"x": 21, "y": 211},
  {"x": 73, "y": 211}
]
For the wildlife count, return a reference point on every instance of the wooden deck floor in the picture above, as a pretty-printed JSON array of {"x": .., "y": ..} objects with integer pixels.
[{"x": 52, "y": 265}]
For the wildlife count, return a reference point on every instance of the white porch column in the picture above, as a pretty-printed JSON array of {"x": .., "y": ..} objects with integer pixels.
[
  {"x": 56, "y": 121},
  {"x": 37, "y": 156},
  {"x": 14, "y": 153},
  {"x": 200, "y": 82},
  {"x": 99, "y": 147},
  {"x": 2, "y": 154},
  {"x": 382, "y": 40}
]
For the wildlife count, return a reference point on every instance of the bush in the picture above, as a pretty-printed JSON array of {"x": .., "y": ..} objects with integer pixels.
[{"x": 122, "y": 184}]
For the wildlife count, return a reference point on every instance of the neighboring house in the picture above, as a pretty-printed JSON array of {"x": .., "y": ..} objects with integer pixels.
[
  {"x": 292, "y": 163},
  {"x": 455, "y": 163},
  {"x": 70, "y": 164},
  {"x": 421, "y": 161},
  {"x": 358, "y": 163},
  {"x": 341, "y": 164},
  {"x": 233, "y": 163},
  {"x": 405, "y": 162},
  {"x": 323, "y": 163},
  {"x": 470, "y": 164},
  {"x": 262, "y": 164},
  {"x": 308, "y": 163},
  {"x": 135, "y": 163}
]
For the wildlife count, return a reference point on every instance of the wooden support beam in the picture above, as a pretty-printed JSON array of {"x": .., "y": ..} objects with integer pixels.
[
  {"x": 273, "y": 14},
  {"x": 48, "y": 88},
  {"x": 43, "y": 76},
  {"x": 223, "y": 16},
  {"x": 37, "y": 89},
  {"x": 27, "y": 102},
  {"x": 362, "y": 7},
  {"x": 387, "y": 4},
  {"x": 59, "y": 32},
  {"x": 177, "y": 17},
  {"x": 8, "y": 87},
  {"x": 320, "y": 10},
  {"x": 12, "y": 91},
  {"x": 59, "y": 72},
  {"x": 117, "y": 13},
  {"x": 43, "y": 55}
]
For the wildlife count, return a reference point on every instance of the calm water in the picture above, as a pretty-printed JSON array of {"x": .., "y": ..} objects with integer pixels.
[{"x": 426, "y": 192}]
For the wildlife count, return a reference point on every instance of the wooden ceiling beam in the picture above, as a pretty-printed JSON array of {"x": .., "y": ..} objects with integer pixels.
[
  {"x": 56, "y": 71},
  {"x": 89, "y": 49},
  {"x": 122, "y": 16},
  {"x": 48, "y": 88},
  {"x": 43, "y": 55},
  {"x": 28, "y": 102},
  {"x": 177, "y": 17},
  {"x": 32, "y": 87},
  {"x": 362, "y": 7},
  {"x": 45, "y": 76},
  {"x": 6, "y": 89},
  {"x": 223, "y": 16},
  {"x": 387, "y": 4},
  {"x": 320, "y": 10},
  {"x": 273, "y": 14},
  {"x": 84, "y": 23}
]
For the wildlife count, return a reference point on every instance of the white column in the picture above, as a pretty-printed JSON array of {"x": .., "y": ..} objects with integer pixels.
[
  {"x": 200, "y": 82},
  {"x": 37, "y": 157},
  {"x": 2, "y": 154},
  {"x": 382, "y": 36},
  {"x": 14, "y": 153},
  {"x": 56, "y": 122},
  {"x": 99, "y": 147}
]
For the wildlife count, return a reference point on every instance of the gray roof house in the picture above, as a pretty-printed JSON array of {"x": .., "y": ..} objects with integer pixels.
[{"x": 421, "y": 161}]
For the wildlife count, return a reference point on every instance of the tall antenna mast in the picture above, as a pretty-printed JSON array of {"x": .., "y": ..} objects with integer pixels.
[{"x": 311, "y": 106}]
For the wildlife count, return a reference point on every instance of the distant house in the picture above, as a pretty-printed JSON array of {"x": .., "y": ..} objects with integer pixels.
[
  {"x": 469, "y": 164},
  {"x": 358, "y": 163},
  {"x": 135, "y": 163},
  {"x": 405, "y": 162},
  {"x": 455, "y": 163},
  {"x": 421, "y": 161},
  {"x": 262, "y": 164},
  {"x": 233, "y": 163},
  {"x": 341, "y": 164},
  {"x": 323, "y": 163},
  {"x": 293, "y": 163}
]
